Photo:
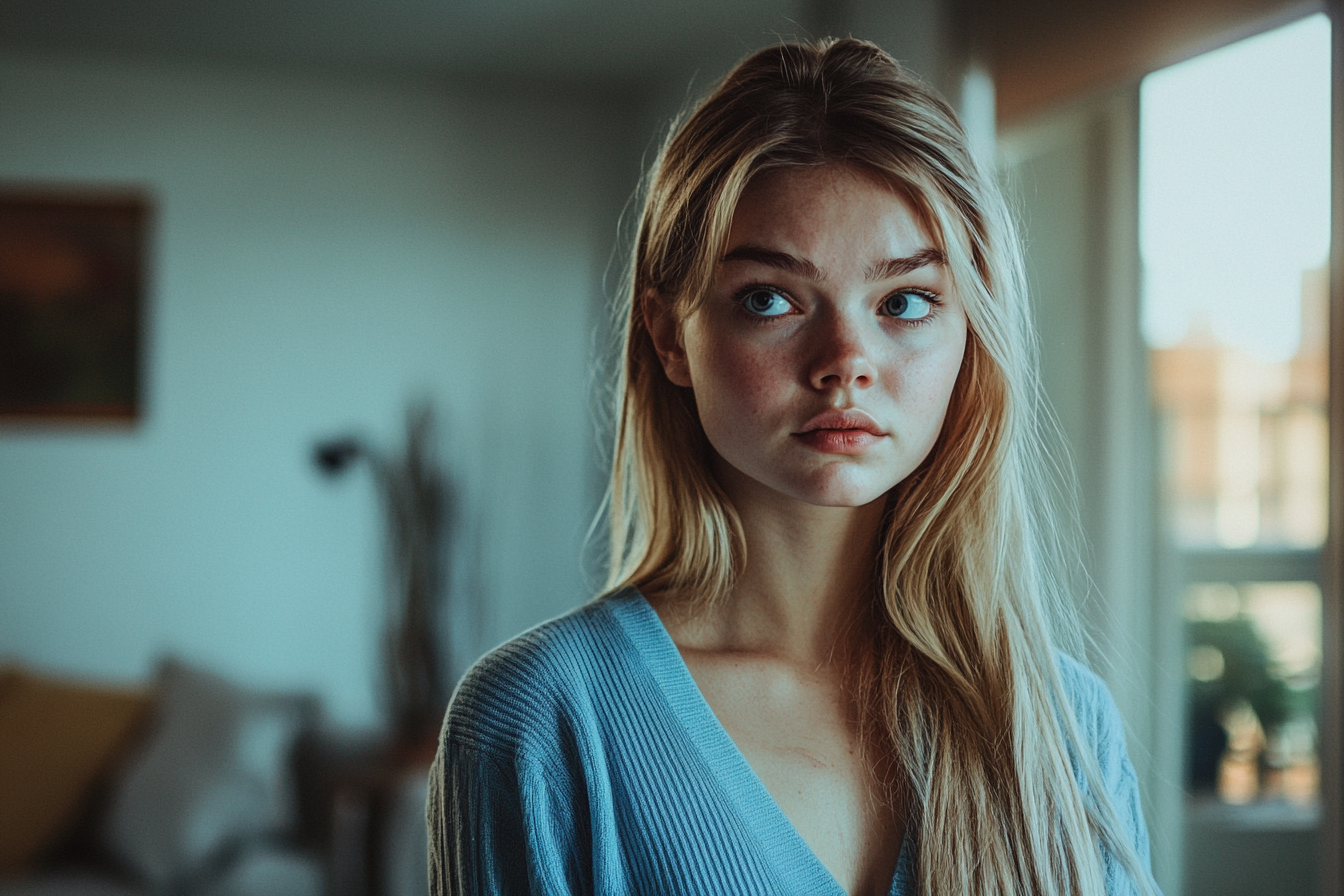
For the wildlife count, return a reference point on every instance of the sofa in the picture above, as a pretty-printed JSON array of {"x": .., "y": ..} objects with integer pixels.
[{"x": 193, "y": 787}]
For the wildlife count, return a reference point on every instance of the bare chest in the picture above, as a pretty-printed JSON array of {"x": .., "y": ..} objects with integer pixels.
[{"x": 798, "y": 734}]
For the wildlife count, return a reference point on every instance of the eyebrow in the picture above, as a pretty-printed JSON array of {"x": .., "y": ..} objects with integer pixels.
[
  {"x": 770, "y": 258},
  {"x": 896, "y": 267},
  {"x": 892, "y": 267}
]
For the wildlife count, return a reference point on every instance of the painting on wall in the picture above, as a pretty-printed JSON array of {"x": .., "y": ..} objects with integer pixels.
[{"x": 72, "y": 297}]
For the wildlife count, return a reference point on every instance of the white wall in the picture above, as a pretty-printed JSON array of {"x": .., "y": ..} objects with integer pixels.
[
  {"x": 326, "y": 246},
  {"x": 1073, "y": 176}
]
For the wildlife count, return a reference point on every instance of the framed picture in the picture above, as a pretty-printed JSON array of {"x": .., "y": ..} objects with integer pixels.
[{"x": 72, "y": 297}]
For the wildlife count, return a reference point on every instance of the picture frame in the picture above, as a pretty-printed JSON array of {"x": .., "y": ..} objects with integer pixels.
[{"x": 73, "y": 271}]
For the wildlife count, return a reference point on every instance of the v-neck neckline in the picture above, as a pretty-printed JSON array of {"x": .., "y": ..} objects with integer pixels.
[{"x": 776, "y": 834}]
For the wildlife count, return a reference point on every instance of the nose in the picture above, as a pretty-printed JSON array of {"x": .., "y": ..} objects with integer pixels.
[{"x": 840, "y": 358}]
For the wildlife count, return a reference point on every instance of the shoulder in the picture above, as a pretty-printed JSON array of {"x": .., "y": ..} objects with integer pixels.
[
  {"x": 1103, "y": 730},
  {"x": 540, "y": 681},
  {"x": 1092, "y": 704}
]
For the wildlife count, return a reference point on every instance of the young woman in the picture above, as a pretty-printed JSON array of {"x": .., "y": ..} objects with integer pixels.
[{"x": 829, "y": 660}]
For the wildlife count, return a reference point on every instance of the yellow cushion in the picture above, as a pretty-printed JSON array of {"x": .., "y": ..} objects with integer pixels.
[{"x": 56, "y": 738}]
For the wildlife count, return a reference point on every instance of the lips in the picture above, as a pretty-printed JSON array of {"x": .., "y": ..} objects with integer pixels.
[{"x": 840, "y": 432}]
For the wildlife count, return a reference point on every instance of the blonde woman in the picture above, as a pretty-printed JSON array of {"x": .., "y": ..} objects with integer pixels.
[{"x": 830, "y": 656}]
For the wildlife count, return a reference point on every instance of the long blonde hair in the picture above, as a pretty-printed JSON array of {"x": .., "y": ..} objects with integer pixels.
[{"x": 964, "y": 684}]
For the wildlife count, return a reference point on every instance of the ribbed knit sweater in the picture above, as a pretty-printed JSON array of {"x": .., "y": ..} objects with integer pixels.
[{"x": 581, "y": 758}]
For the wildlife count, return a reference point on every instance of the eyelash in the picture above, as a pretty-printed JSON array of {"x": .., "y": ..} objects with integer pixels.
[
  {"x": 741, "y": 297},
  {"x": 934, "y": 300}
]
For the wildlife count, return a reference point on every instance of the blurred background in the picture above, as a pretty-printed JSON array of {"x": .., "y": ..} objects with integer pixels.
[{"x": 344, "y": 271}]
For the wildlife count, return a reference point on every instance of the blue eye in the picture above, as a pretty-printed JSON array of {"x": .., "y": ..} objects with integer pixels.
[
  {"x": 908, "y": 305},
  {"x": 765, "y": 302}
]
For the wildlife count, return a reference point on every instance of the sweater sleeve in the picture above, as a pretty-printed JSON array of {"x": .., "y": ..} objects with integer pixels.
[
  {"x": 1120, "y": 779},
  {"x": 1096, "y": 710},
  {"x": 494, "y": 830}
]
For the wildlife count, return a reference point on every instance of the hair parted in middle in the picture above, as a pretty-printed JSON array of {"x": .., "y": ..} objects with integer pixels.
[{"x": 963, "y": 688}]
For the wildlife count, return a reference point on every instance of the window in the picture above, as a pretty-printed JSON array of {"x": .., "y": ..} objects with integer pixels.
[{"x": 1234, "y": 235}]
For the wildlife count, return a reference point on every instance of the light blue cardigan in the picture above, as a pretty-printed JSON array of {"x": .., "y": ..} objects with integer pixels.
[{"x": 581, "y": 758}]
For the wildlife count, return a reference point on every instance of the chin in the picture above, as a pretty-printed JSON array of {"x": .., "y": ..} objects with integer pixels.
[
  {"x": 851, "y": 500},
  {"x": 845, "y": 491}
]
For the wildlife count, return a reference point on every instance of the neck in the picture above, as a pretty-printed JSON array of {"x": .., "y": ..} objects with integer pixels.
[{"x": 808, "y": 574}]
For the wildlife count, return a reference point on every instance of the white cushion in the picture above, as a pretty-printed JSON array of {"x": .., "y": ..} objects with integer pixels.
[
  {"x": 213, "y": 775},
  {"x": 269, "y": 872}
]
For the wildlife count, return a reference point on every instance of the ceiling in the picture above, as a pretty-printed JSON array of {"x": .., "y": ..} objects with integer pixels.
[
  {"x": 617, "y": 41},
  {"x": 1043, "y": 53}
]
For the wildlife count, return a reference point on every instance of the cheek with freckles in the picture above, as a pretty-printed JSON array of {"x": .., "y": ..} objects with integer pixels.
[
  {"x": 928, "y": 390},
  {"x": 735, "y": 385}
]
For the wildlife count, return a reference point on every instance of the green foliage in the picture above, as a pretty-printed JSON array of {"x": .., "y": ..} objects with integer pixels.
[{"x": 1247, "y": 675}]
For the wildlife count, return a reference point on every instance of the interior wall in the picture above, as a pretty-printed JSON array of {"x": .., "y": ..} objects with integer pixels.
[
  {"x": 1073, "y": 177},
  {"x": 326, "y": 246}
]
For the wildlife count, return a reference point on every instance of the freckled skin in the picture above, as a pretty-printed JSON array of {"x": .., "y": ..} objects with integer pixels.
[
  {"x": 770, "y": 660},
  {"x": 758, "y": 383}
]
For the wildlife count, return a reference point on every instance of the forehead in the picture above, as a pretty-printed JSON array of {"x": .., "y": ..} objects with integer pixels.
[{"x": 828, "y": 213}]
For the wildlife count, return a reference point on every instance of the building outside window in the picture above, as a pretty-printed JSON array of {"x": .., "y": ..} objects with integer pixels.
[{"x": 1234, "y": 234}]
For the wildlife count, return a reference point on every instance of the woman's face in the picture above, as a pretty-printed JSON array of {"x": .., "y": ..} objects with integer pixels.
[{"x": 825, "y": 352}]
